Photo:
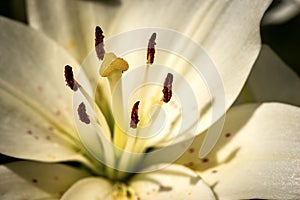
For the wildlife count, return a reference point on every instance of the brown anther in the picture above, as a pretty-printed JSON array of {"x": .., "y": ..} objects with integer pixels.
[
  {"x": 83, "y": 116},
  {"x": 134, "y": 115},
  {"x": 70, "y": 78},
  {"x": 151, "y": 49},
  {"x": 99, "y": 45},
  {"x": 167, "y": 91}
]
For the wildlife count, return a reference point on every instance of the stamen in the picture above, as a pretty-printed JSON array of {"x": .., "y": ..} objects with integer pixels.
[
  {"x": 167, "y": 91},
  {"x": 151, "y": 49},
  {"x": 99, "y": 45},
  {"x": 83, "y": 116},
  {"x": 70, "y": 78},
  {"x": 134, "y": 115}
]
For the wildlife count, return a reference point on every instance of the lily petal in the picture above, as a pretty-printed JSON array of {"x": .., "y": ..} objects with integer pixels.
[
  {"x": 89, "y": 188},
  {"x": 271, "y": 80},
  {"x": 173, "y": 182},
  {"x": 257, "y": 156},
  {"x": 227, "y": 30},
  {"x": 30, "y": 180},
  {"x": 36, "y": 112},
  {"x": 32, "y": 69},
  {"x": 24, "y": 134},
  {"x": 76, "y": 21}
]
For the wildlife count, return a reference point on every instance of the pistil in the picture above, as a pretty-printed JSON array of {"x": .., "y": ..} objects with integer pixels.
[{"x": 112, "y": 67}]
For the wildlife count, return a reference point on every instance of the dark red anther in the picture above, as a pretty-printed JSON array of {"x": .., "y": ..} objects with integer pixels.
[
  {"x": 99, "y": 45},
  {"x": 134, "y": 115},
  {"x": 70, "y": 78},
  {"x": 167, "y": 91},
  {"x": 83, "y": 116},
  {"x": 151, "y": 49}
]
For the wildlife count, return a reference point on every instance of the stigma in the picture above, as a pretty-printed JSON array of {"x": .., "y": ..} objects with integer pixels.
[{"x": 83, "y": 116}]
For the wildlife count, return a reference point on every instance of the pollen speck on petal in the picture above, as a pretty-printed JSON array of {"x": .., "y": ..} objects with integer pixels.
[
  {"x": 40, "y": 88},
  {"x": 83, "y": 116},
  {"x": 34, "y": 180},
  {"x": 191, "y": 150},
  {"x": 163, "y": 188},
  {"x": 227, "y": 135},
  {"x": 57, "y": 113},
  {"x": 48, "y": 137}
]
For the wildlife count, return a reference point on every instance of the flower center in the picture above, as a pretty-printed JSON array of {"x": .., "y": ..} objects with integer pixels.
[{"x": 122, "y": 135}]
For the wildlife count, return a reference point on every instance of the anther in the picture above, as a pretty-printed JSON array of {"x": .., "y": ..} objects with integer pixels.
[
  {"x": 99, "y": 45},
  {"x": 134, "y": 115},
  {"x": 70, "y": 78},
  {"x": 83, "y": 116},
  {"x": 151, "y": 49},
  {"x": 167, "y": 91}
]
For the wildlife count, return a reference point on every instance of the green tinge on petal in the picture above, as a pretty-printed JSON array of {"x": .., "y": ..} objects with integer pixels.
[
  {"x": 30, "y": 180},
  {"x": 257, "y": 156}
]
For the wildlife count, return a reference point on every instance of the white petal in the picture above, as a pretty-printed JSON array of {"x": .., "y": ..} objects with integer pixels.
[
  {"x": 76, "y": 21},
  {"x": 173, "y": 182},
  {"x": 36, "y": 104},
  {"x": 227, "y": 30},
  {"x": 32, "y": 69},
  {"x": 257, "y": 156},
  {"x": 24, "y": 134},
  {"x": 30, "y": 180},
  {"x": 89, "y": 188},
  {"x": 271, "y": 80}
]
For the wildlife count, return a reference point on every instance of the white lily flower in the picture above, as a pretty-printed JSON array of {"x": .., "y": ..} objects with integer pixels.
[{"x": 36, "y": 121}]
